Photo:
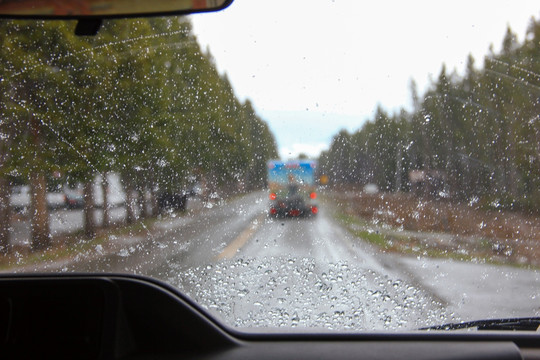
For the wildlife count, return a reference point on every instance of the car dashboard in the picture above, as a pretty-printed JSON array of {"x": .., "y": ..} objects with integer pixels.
[{"x": 132, "y": 317}]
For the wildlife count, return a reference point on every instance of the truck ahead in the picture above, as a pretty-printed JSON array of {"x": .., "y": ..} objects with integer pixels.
[{"x": 292, "y": 188}]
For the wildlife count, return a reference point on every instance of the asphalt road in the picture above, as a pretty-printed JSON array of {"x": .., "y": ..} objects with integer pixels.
[{"x": 253, "y": 271}]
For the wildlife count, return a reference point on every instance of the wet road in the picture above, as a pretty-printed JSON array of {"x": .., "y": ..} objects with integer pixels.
[{"x": 251, "y": 271}]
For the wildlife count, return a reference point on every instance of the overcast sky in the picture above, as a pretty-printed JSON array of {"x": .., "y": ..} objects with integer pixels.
[{"x": 314, "y": 67}]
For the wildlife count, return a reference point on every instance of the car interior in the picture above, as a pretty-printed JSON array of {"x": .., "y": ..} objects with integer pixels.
[
  {"x": 120, "y": 316},
  {"x": 85, "y": 316}
]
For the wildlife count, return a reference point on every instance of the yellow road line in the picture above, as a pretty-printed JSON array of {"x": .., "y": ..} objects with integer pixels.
[{"x": 240, "y": 240}]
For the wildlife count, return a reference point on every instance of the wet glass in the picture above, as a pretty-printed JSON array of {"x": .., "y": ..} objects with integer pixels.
[{"x": 364, "y": 168}]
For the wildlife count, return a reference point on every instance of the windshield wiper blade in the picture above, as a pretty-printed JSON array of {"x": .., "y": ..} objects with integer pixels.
[{"x": 514, "y": 324}]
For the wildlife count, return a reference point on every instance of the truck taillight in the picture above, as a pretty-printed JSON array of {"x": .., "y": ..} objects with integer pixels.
[
  {"x": 272, "y": 196},
  {"x": 313, "y": 195},
  {"x": 314, "y": 209}
]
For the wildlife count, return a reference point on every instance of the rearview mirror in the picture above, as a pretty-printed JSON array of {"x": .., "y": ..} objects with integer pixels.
[{"x": 69, "y": 9}]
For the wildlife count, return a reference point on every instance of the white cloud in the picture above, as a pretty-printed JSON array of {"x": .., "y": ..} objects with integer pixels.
[
  {"x": 339, "y": 59},
  {"x": 293, "y": 151}
]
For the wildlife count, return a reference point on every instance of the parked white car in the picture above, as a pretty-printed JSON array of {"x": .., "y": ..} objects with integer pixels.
[
  {"x": 20, "y": 198},
  {"x": 116, "y": 195}
]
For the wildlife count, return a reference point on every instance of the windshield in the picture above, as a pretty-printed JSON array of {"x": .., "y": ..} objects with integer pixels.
[{"x": 332, "y": 165}]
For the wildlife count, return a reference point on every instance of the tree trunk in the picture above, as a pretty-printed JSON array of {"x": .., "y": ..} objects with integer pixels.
[
  {"x": 148, "y": 202},
  {"x": 41, "y": 237},
  {"x": 5, "y": 207},
  {"x": 106, "y": 205},
  {"x": 5, "y": 215},
  {"x": 153, "y": 210},
  {"x": 130, "y": 202},
  {"x": 398, "y": 169},
  {"x": 89, "y": 221},
  {"x": 141, "y": 203},
  {"x": 153, "y": 202}
]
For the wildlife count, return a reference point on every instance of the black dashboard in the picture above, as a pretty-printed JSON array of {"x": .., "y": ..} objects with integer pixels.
[{"x": 131, "y": 317}]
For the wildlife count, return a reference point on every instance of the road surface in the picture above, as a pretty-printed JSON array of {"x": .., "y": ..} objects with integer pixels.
[{"x": 253, "y": 271}]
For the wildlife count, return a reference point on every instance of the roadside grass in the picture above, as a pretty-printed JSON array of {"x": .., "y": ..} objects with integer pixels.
[
  {"x": 70, "y": 245},
  {"x": 388, "y": 241},
  {"x": 352, "y": 224},
  {"x": 455, "y": 228}
]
